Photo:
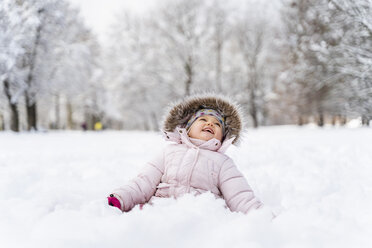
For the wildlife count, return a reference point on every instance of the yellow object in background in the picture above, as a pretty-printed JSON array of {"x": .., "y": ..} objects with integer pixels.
[{"x": 98, "y": 126}]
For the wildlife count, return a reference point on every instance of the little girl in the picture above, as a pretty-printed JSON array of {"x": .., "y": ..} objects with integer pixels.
[{"x": 201, "y": 128}]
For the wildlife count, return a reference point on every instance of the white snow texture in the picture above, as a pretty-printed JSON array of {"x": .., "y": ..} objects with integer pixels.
[{"x": 53, "y": 189}]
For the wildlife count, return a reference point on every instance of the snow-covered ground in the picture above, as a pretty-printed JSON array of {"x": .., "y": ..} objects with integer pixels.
[{"x": 53, "y": 189}]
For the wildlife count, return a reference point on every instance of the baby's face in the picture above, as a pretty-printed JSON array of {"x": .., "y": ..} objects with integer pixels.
[{"x": 205, "y": 128}]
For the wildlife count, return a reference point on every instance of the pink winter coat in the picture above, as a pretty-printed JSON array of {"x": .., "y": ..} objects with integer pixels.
[{"x": 190, "y": 166}]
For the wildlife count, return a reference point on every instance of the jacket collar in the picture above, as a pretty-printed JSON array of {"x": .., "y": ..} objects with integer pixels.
[{"x": 180, "y": 136}]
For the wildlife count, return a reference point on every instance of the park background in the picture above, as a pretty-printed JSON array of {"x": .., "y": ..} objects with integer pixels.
[{"x": 285, "y": 62}]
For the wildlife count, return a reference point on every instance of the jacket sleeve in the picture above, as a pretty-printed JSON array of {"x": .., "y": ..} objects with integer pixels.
[
  {"x": 143, "y": 187},
  {"x": 235, "y": 189}
]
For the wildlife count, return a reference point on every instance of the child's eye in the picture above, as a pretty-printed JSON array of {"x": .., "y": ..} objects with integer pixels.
[
  {"x": 203, "y": 119},
  {"x": 217, "y": 124}
]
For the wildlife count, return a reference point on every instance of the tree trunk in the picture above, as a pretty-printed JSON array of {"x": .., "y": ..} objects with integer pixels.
[
  {"x": 253, "y": 109},
  {"x": 321, "y": 120},
  {"x": 254, "y": 118},
  {"x": 31, "y": 114},
  {"x": 70, "y": 122},
  {"x": 155, "y": 121},
  {"x": 146, "y": 125},
  {"x": 365, "y": 121},
  {"x": 252, "y": 101},
  {"x": 14, "y": 120},
  {"x": 189, "y": 75},
  {"x": 219, "y": 66},
  {"x": 265, "y": 115},
  {"x": 1, "y": 122},
  {"x": 300, "y": 121},
  {"x": 57, "y": 113},
  {"x": 343, "y": 120},
  {"x": 31, "y": 103},
  {"x": 14, "y": 116},
  {"x": 334, "y": 120}
]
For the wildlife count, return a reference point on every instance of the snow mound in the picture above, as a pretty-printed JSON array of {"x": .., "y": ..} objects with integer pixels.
[{"x": 53, "y": 189}]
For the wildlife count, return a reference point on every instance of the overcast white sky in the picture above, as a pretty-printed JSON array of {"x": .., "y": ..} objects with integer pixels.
[{"x": 99, "y": 14}]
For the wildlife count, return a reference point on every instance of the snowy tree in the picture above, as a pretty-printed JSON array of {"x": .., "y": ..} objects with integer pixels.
[
  {"x": 328, "y": 64},
  {"x": 139, "y": 84},
  {"x": 311, "y": 79},
  {"x": 254, "y": 33},
  {"x": 48, "y": 51},
  {"x": 72, "y": 64},
  {"x": 17, "y": 22},
  {"x": 47, "y": 35},
  {"x": 218, "y": 17},
  {"x": 183, "y": 29},
  {"x": 355, "y": 52}
]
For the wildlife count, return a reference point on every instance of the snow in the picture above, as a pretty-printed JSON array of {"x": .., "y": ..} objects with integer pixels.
[{"x": 53, "y": 189}]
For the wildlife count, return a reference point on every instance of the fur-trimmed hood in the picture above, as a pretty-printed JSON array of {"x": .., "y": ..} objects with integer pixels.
[{"x": 181, "y": 112}]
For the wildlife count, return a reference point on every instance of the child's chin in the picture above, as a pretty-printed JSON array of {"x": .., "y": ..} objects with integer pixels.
[{"x": 206, "y": 137}]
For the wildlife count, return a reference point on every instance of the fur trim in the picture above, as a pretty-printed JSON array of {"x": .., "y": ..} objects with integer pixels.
[{"x": 181, "y": 112}]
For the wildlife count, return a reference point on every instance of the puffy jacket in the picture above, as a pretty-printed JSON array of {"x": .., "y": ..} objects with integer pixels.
[{"x": 190, "y": 166}]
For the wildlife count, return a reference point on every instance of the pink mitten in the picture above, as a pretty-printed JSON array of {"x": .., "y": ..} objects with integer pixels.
[{"x": 113, "y": 201}]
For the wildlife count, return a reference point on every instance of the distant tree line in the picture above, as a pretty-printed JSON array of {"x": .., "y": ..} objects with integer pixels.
[
  {"x": 328, "y": 47},
  {"x": 286, "y": 62}
]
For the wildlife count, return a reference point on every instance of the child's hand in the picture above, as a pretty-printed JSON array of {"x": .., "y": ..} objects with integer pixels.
[{"x": 113, "y": 201}]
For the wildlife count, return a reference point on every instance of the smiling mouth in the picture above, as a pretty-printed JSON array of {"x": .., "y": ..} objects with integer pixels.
[{"x": 209, "y": 130}]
